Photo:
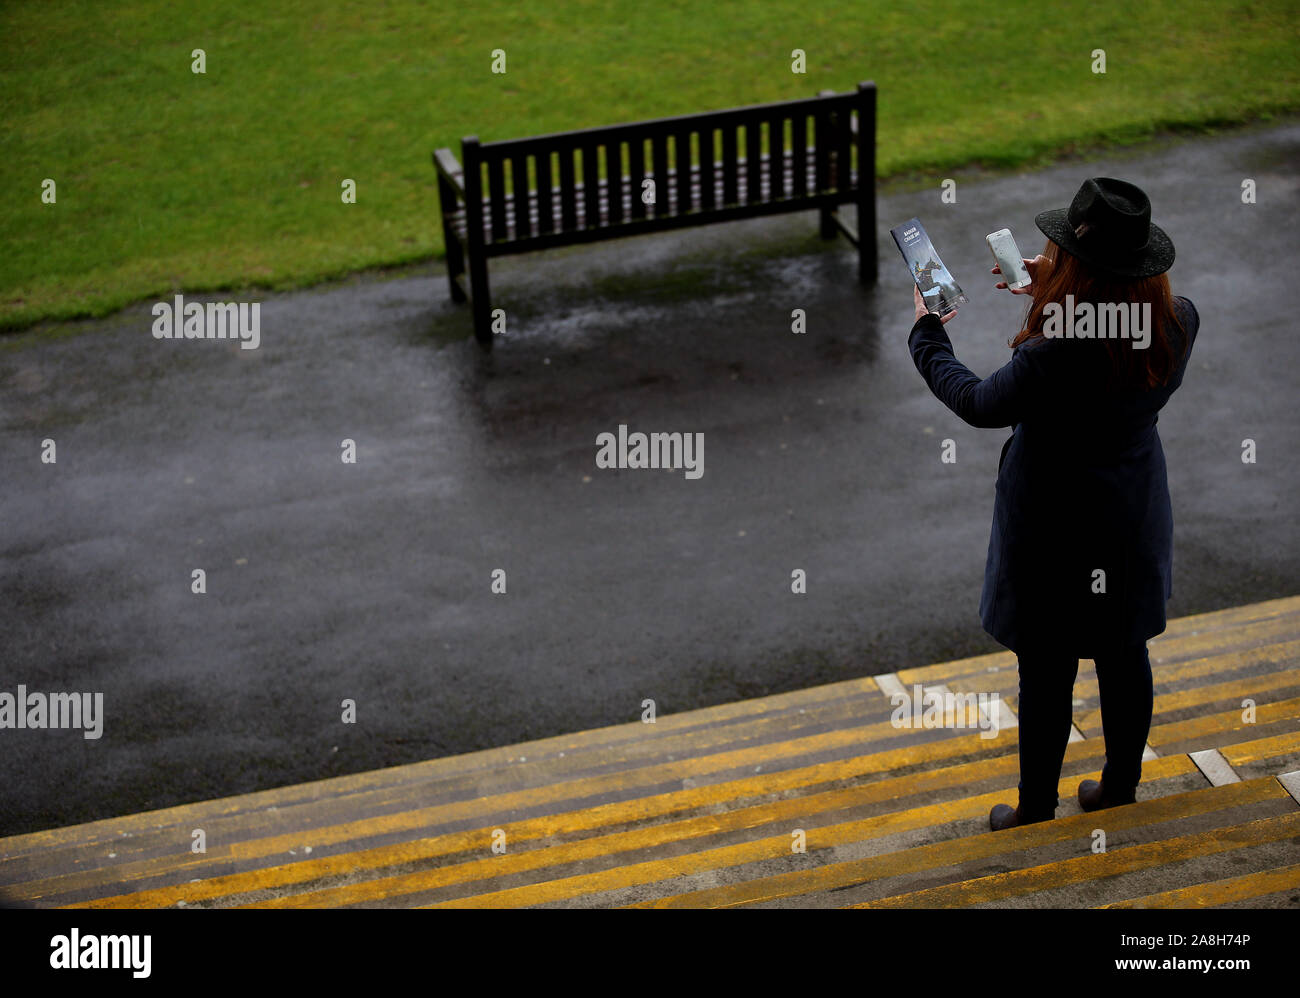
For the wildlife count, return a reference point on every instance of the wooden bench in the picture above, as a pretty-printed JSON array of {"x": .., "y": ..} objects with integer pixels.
[{"x": 520, "y": 195}]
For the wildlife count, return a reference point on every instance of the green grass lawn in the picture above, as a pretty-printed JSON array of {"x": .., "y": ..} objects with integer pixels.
[{"x": 169, "y": 180}]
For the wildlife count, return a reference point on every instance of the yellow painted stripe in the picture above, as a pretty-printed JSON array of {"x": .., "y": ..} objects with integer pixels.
[
  {"x": 1007, "y": 683},
  {"x": 1223, "y": 723},
  {"x": 1231, "y": 616},
  {"x": 329, "y": 809},
  {"x": 232, "y": 808},
  {"x": 1284, "y": 656},
  {"x": 1281, "y": 649},
  {"x": 1263, "y": 748},
  {"x": 951, "y": 852},
  {"x": 425, "y": 849},
  {"x": 759, "y": 754},
  {"x": 1184, "y": 637},
  {"x": 1111, "y": 863},
  {"x": 1218, "y": 892},
  {"x": 1264, "y": 632},
  {"x": 938, "y": 671},
  {"x": 181, "y": 861},
  {"x": 186, "y": 815},
  {"x": 661, "y": 737},
  {"x": 773, "y": 847},
  {"x": 204, "y": 812},
  {"x": 1234, "y": 689},
  {"x": 569, "y": 822},
  {"x": 621, "y": 783},
  {"x": 791, "y": 810}
]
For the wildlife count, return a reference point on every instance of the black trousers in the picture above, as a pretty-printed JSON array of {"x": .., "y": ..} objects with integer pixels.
[{"x": 1045, "y": 715}]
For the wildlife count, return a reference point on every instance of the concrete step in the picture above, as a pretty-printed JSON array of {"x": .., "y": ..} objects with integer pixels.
[
  {"x": 1168, "y": 850},
  {"x": 1000, "y": 866},
  {"x": 1274, "y": 887},
  {"x": 610, "y": 816},
  {"x": 917, "y": 768}
]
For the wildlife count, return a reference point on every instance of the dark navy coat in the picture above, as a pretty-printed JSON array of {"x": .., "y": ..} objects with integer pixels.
[{"x": 1081, "y": 489}]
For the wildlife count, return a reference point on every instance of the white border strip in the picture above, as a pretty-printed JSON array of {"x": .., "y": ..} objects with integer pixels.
[
  {"x": 1214, "y": 767},
  {"x": 890, "y": 684},
  {"x": 1291, "y": 783}
]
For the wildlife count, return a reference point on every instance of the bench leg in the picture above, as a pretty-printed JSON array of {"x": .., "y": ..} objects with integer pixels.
[
  {"x": 829, "y": 230},
  {"x": 455, "y": 267},
  {"x": 482, "y": 301}
]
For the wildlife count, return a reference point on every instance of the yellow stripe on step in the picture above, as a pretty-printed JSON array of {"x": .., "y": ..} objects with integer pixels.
[
  {"x": 1263, "y": 748},
  {"x": 610, "y": 782},
  {"x": 1231, "y": 616},
  {"x": 1218, "y": 892},
  {"x": 183, "y": 863},
  {"x": 1007, "y": 683},
  {"x": 790, "y": 810},
  {"x": 566, "y": 823},
  {"x": 1235, "y": 689},
  {"x": 1235, "y": 631},
  {"x": 773, "y": 847},
  {"x": 1224, "y": 722},
  {"x": 829, "y": 876},
  {"x": 187, "y": 816},
  {"x": 1095, "y": 866}
]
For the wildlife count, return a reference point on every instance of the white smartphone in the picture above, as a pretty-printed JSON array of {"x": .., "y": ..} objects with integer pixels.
[{"x": 1009, "y": 260}]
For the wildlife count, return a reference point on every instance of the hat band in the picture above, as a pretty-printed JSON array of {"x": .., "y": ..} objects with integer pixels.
[{"x": 1084, "y": 229}]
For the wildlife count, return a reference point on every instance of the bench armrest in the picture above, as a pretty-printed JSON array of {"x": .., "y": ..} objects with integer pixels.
[{"x": 444, "y": 160}]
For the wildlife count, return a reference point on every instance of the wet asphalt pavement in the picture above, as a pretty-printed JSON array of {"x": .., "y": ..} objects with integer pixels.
[{"x": 372, "y": 581}]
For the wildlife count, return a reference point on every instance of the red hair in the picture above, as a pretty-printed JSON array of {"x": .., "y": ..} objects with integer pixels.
[{"x": 1130, "y": 367}]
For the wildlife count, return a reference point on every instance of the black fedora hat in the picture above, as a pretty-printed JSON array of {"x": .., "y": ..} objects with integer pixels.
[{"x": 1108, "y": 226}]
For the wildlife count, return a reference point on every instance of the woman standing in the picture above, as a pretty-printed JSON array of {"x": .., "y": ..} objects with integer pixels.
[{"x": 1079, "y": 560}]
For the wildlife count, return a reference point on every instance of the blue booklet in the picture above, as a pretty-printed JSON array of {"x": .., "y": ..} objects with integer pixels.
[{"x": 941, "y": 293}]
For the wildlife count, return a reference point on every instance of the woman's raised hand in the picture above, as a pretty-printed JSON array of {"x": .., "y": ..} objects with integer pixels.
[
  {"x": 921, "y": 308},
  {"x": 1035, "y": 266}
]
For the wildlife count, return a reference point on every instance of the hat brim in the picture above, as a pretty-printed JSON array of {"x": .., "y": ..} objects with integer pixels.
[{"x": 1156, "y": 258}]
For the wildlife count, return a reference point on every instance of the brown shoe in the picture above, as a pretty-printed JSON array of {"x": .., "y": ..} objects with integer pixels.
[
  {"x": 1003, "y": 816},
  {"x": 1093, "y": 797}
]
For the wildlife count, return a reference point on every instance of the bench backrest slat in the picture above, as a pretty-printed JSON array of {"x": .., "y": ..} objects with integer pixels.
[
  {"x": 519, "y": 184},
  {"x": 799, "y": 155},
  {"x": 774, "y": 135},
  {"x": 730, "y": 166},
  {"x": 636, "y": 172},
  {"x": 568, "y": 191},
  {"x": 822, "y": 152},
  {"x": 681, "y": 170},
  {"x": 545, "y": 197},
  {"x": 843, "y": 150},
  {"x": 659, "y": 156},
  {"x": 496, "y": 192},
  {"x": 590, "y": 186},
  {"x": 614, "y": 180},
  {"x": 753, "y": 161},
  {"x": 708, "y": 195}
]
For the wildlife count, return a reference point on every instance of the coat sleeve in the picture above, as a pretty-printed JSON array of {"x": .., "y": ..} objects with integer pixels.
[{"x": 1004, "y": 398}]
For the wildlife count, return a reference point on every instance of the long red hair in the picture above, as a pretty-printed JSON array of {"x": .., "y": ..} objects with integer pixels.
[{"x": 1130, "y": 367}]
